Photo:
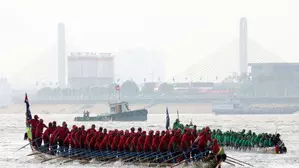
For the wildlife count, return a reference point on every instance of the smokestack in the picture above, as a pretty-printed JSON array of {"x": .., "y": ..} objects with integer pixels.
[
  {"x": 243, "y": 46},
  {"x": 61, "y": 56}
]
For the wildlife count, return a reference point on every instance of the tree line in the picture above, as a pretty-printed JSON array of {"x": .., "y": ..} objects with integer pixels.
[{"x": 127, "y": 89}]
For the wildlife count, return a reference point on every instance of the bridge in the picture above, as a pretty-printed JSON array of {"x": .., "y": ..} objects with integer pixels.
[{"x": 224, "y": 62}]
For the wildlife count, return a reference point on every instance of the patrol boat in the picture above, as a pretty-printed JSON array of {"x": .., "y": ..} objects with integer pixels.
[
  {"x": 233, "y": 106},
  {"x": 119, "y": 111}
]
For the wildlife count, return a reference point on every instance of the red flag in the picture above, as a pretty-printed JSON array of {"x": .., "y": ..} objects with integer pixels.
[
  {"x": 117, "y": 87},
  {"x": 26, "y": 97}
]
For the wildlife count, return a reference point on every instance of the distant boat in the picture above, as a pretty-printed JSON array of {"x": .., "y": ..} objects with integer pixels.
[
  {"x": 233, "y": 106},
  {"x": 119, "y": 111}
]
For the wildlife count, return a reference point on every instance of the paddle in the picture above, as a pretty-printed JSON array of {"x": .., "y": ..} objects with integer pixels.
[
  {"x": 132, "y": 156},
  {"x": 107, "y": 153},
  {"x": 185, "y": 160},
  {"x": 114, "y": 155},
  {"x": 177, "y": 164},
  {"x": 150, "y": 155},
  {"x": 40, "y": 150},
  {"x": 99, "y": 154},
  {"x": 117, "y": 157},
  {"x": 235, "y": 162},
  {"x": 28, "y": 144},
  {"x": 165, "y": 154},
  {"x": 172, "y": 157},
  {"x": 229, "y": 163},
  {"x": 142, "y": 156},
  {"x": 240, "y": 161},
  {"x": 70, "y": 156},
  {"x": 190, "y": 150}
]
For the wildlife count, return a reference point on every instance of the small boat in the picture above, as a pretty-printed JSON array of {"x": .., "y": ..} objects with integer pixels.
[
  {"x": 119, "y": 111},
  {"x": 62, "y": 154}
]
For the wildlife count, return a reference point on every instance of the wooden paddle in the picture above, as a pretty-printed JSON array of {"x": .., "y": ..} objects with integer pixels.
[
  {"x": 229, "y": 163},
  {"x": 240, "y": 161},
  {"x": 235, "y": 162},
  {"x": 28, "y": 144}
]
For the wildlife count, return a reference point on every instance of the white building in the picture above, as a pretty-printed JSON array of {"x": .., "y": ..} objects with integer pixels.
[{"x": 87, "y": 69}]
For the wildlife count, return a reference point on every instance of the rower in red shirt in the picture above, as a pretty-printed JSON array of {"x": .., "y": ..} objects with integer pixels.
[
  {"x": 156, "y": 141},
  {"x": 215, "y": 147},
  {"x": 163, "y": 146},
  {"x": 39, "y": 132},
  {"x": 128, "y": 141},
  {"x": 63, "y": 132},
  {"x": 33, "y": 122},
  {"x": 148, "y": 141},
  {"x": 140, "y": 142},
  {"x": 204, "y": 138},
  {"x": 53, "y": 140},
  {"x": 115, "y": 141},
  {"x": 123, "y": 138},
  {"x": 47, "y": 133},
  {"x": 133, "y": 144}
]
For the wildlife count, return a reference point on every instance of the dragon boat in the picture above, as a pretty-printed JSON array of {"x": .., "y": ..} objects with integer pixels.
[
  {"x": 280, "y": 149},
  {"x": 60, "y": 154},
  {"x": 267, "y": 150},
  {"x": 276, "y": 146}
]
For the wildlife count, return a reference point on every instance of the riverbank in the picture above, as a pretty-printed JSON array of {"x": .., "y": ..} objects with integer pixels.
[{"x": 183, "y": 108}]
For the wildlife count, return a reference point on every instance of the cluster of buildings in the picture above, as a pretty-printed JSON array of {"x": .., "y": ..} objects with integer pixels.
[
  {"x": 88, "y": 69},
  {"x": 82, "y": 69}
]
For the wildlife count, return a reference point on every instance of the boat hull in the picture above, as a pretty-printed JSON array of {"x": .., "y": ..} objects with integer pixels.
[
  {"x": 268, "y": 150},
  {"x": 229, "y": 110},
  {"x": 44, "y": 157},
  {"x": 135, "y": 115}
]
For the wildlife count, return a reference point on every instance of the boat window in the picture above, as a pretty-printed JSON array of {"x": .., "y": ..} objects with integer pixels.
[
  {"x": 120, "y": 109},
  {"x": 127, "y": 106},
  {"x": 112, "y": 109}
]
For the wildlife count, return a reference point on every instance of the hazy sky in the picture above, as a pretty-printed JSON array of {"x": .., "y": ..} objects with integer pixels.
[{"x": 184, "y": 31}]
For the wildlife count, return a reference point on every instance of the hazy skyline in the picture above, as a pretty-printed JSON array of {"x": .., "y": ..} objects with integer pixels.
[{"x": 184, "y": 31}]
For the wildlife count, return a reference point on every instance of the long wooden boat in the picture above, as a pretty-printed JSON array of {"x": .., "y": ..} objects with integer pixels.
[
  {"x": 100, "y": 158},
  {"x": 149, "y": 159}
]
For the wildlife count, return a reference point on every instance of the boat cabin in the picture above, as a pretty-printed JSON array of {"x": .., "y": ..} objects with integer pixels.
[{"x": 119, "y": 107}]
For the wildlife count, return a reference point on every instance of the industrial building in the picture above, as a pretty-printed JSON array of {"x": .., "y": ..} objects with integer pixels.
[
  {"x": 275, "y": 79},
  {"x": 89, "y": 69}
]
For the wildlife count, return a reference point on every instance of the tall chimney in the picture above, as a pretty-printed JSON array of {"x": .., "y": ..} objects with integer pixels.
[
  {"x": 243, "y": 46},
  {"x": 61, "y": 56}
]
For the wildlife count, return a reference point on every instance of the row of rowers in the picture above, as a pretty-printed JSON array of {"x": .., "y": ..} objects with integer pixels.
[{"x": 120, "y": 140}]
